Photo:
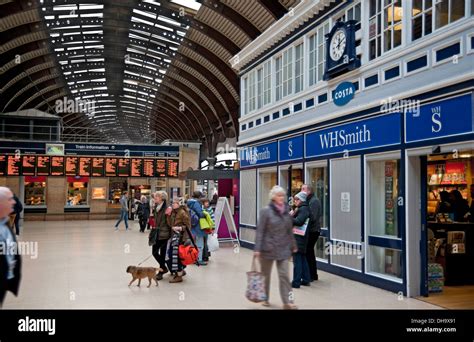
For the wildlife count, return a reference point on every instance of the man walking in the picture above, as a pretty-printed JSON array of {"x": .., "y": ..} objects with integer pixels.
[
  {"x": 17, "y": 209},
  {"x": 10, "y": 261},
  {"x": 123, "y": 211},
  {"x": 314, "y": 227}
]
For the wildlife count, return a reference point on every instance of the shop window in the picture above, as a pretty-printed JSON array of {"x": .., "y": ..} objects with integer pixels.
[
  {"x": 429, "y": 15},
  {"x": 117, "y": 185},
  {"x": 252, "y": 95},
  {"x": 35, "y": 193},
  {"x": 417, "y": 63},
  {"x": 296, "y": 181},
  {"x": 383, "y": 197},
  {"x": 318, "y": 179},
  {"x": 77, "y": 194},
  {"x": 299, "y": 65},
  {"x": 267, "y": 83},
  {"x": 385, "y": 261},
  {"x": 266, "y": 181},
  {"x": 385, "y": 26},
  {"x": 321, "y": 250},
  {"x": 317, "y": 54},
  {"x": 246, "y": 95}
]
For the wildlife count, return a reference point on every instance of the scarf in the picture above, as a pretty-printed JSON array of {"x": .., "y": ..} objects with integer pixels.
[
  {"x": 158, "y": 206},
  {"x": 280, "y": 207}
]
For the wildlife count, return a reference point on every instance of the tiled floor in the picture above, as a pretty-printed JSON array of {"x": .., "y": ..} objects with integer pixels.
[{"x": 81, "y": 264}]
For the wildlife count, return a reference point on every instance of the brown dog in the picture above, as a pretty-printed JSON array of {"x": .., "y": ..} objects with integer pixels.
[{"x": 143, "y": 272}]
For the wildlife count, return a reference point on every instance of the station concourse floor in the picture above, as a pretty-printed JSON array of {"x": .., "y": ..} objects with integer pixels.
[{"x": 81, "y": 265}]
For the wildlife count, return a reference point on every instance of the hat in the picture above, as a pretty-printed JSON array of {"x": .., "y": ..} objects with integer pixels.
[{"x": 301, "y": 196}]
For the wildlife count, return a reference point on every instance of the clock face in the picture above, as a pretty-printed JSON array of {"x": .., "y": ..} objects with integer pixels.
[{"x": 338, "y": 45}]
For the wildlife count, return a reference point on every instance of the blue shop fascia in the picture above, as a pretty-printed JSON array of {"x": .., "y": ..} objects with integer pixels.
[{"x": 367, "y": 139}]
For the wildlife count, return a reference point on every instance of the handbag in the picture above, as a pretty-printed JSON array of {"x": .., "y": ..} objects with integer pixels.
[
  {"x": 151, "y": 221},
  {"x": 212, "y": 243},
  {"x": 153, "y": 236},
  {"x": 255, "y": 285}
]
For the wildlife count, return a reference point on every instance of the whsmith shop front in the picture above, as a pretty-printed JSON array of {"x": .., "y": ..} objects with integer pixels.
[
  {"x": 379, "y": 176},
  {"x": 85, "y": 181}
]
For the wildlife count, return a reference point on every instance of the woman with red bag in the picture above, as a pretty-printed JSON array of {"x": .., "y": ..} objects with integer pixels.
[
  {"x": 180, "y": 223},
  {"x": 163, "y": 234}
]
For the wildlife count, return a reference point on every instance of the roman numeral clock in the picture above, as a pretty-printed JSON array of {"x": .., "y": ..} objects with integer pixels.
[{"x": 341, "y": 50}]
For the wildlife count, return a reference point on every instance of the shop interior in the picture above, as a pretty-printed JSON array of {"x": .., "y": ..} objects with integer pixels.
[{"x": 450, "y": 229}]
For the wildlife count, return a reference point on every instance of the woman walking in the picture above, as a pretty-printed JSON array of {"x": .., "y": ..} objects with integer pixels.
[
  {"x": 164, "y": 231},
  {"x": 143, "y": 213},
  {"x": 275, "y": 243}
]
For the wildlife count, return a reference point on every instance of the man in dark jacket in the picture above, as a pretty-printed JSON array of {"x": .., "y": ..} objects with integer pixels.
[
  {"x": 314, "y": 227},
  {"x": 17, "y": 209},
  {"x": 10, "y": 261},
  {"x": 301, "y": 274}
]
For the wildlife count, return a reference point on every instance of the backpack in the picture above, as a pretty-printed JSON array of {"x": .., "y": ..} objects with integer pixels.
[{"x": 194, "y": 218}]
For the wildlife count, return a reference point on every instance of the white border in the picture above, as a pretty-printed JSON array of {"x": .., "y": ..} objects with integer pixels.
[
  {"x": 412, "y": 58},
  {"x": 441, "y": 46}
]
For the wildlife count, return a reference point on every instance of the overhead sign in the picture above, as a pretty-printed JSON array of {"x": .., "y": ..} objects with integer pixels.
[
  {"x": 291, "y": 148},
  {"x": 439, "y": 119},
  {"x": 259, "y": 155},
  {"x": 380, "y": 131},
  {"x": 343, "y": 93}
]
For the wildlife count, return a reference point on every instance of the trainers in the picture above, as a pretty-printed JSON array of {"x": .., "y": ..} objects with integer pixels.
[{"x": 176, "y": 279}]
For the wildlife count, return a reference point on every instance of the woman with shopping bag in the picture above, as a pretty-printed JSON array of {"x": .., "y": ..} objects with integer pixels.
[{"x": 275, "y": 242}]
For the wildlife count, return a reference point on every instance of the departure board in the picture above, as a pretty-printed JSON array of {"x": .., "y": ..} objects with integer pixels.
[
  {"x": 13, "y": 165},
  {"x": 85, "y": 166},
  {"x": 98, "y": 165},
  {"x": 28, "y": 166},
  {"x": 72, "y": 166},
  {"x": 123, "y": 167},
  {"x": 160, "y": 170},
  {"x": 148, "y": 168},
  {"x": 111, "y": 167},
  {"x": 172, "y": 169},
  {"x": 43, "y": 164},
  {"x": 136, "y": 167},
  {"x": 3, "y": 165},
  {"x": 57, "y": 166}
]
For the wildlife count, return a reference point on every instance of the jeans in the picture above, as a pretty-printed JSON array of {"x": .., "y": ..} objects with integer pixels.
[
  {"x": 159, "y": 252},
  {"x": 123, "y": 216},
  {"x": 310, "y": 256},
  {"x": 200, "y": 246},
  {"x": 300, "y": 270}
]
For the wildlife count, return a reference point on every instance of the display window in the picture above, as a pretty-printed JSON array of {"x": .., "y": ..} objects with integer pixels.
[
  {"x": 137, "y": 191},
  {"x": 267, "y": 179},
  {"x": 291, "y": 179},
  {"x": 35, "y": 193},
  {"x": 385, "y": 261},
  {"x": 383, "y": 181},
  {"x": 117, "y": 186},
  {"x": 77, "y": 194}
]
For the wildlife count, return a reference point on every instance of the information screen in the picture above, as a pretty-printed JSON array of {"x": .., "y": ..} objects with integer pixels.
[
  {"x": 72, "y": 166},
  {"x": 3, "y": 165},
  {"x": 172, "y": 170},
  {"x": 160, "y": 168},
  {"x": 13, "y": 165},
  {"x": 43, "y": 164},
  {"x": 111, "y": 167},
  {"x": 123, "y": 167},
  {"x": 57, "y": 166},
  {"x": 98, "y": 167},
  {"x": 136, "y": 167},
  {"x": 148, "y": 168},
  {"x": 28, "y": 165},
  {"x": 85, "y": 166}
]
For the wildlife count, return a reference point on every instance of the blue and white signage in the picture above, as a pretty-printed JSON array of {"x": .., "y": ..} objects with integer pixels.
[
  {"x": 375, "y": 132},
  {"x": 258, "y": 155},
  {"x": 291, "y": 148},
  {"x": 441, "y": 119},
  {"x": 343, "y": 93}
]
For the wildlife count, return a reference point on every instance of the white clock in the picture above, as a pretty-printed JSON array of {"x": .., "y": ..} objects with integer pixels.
[{"x": 338, "y": 45}]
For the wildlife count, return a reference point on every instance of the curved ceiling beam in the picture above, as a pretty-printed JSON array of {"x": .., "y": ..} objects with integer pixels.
[
  {"x": 40, "y": 93},
  {"x": 276, "y": 9},
  {"x": 179, "y": 115},
  {"x": 240, "y": 21},
  {"x": 28, "y": 72},
  {"x": 173, "y": 118}
]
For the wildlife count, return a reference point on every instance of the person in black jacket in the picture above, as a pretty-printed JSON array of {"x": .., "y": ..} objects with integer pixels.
[
  {"x": 301, "y": 274},
  {"x": 143, "y": 213},
  {"x": 314, "y": 227},
  {"x": 17, "y": 209},
  {"x": 10, "y": 263}
]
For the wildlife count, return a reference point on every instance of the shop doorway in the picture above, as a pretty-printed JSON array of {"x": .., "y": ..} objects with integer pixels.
[
  {"x": 291, "y": 179},
  {"x": 447, "y": 229}
]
